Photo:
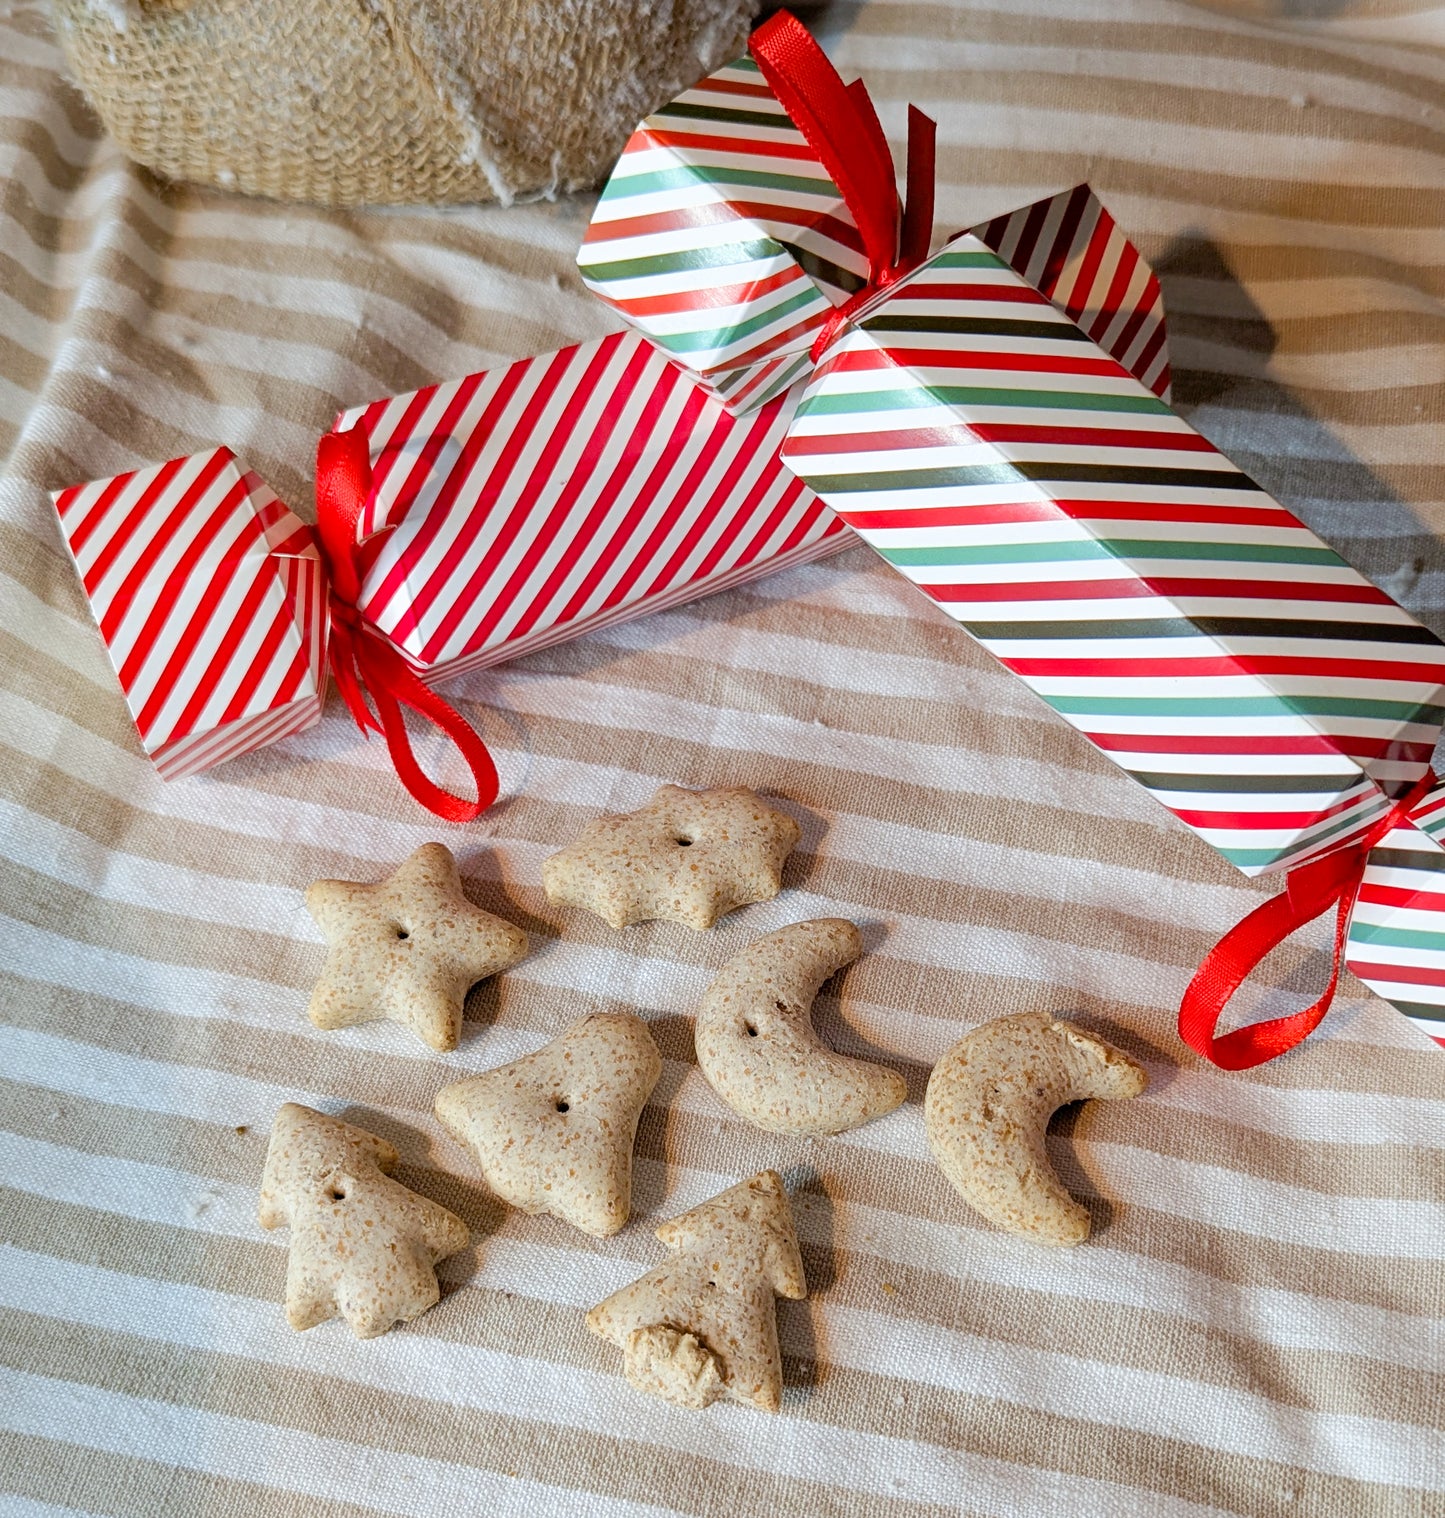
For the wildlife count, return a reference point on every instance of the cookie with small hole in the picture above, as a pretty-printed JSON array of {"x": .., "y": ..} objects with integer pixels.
[
  {"x": 407, "y": 948},
  {"x": 687, "y": 856},
  {"x": 757, "y": 1048},
  {"x": 553, "y": 1132},
  {"x": 363, "y": 1247}
]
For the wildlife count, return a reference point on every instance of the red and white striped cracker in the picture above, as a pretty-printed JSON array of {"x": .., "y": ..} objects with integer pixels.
[
  {"x": 561, "y": 493},
  {"x": 211, "y": 599}
]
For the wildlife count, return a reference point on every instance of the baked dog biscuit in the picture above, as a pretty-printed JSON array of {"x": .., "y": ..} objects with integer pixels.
[
  {"x": 407, "y": 948},
  {"x": 756, "y": 1044},
  {"x": 553, "y": 1132},
  {"x": 989, "y": 1102},
  {"x": 703, "y": 1326},
  {"x": 362, "y": 1245},
  {"x": 687, "y": 856}
]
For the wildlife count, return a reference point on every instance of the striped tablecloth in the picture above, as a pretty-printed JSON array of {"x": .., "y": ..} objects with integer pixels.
[{"x": 1255, "y": 1326}]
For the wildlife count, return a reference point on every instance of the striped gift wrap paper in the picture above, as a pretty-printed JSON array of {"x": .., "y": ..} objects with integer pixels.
[
  {"x": 211, "y": 599},
  {"x": 565, "y": 493},
  {"x": 721, "y": 238},
  {"x": 1106, "y": 552},
  {"x": 1039, "y": 490}
]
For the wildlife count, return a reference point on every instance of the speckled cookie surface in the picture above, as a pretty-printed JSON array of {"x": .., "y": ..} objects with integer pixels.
[
  {"x": 362, "y": 1245},
  {"x": 757, "y": 1047},
  {"x": 988, "y": 1108},
  {"x": 553, "y": 1132},
  {"x": 687, "y": 856},
  {"x": 407, "y": 948},
  {"x": 703, "y": 1326}
]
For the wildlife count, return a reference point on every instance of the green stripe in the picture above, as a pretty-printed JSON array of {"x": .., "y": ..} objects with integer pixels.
[
  {"x": 722, "y": 256},
  {"x": 970, "y": 395},
  {"x": 1014, "y": 470},
  {"x": 1398, "y": 938},
  {"x": 1244, "y": 785},
  {"x": 1307, "y": 630},
  {"x": 962, "y": 260},
  {"x": 717, "y": 337},
  {"x": 1109, "y": 548},
  {"x": 824, "y": 270},
  {"x": 1429, "y": 860},
  {"x": 1245, "y": 706},
  {"x": 1250, "y": 859},
  {"x": 1058, "y": 329},
  {"x": 1245, "y": 858},
  {"x": 731, "y": 114},
  {"x": 621, "y": 186}
]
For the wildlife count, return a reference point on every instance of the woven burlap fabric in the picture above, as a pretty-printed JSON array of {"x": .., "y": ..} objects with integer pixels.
[{"x": 354, "y": 102}]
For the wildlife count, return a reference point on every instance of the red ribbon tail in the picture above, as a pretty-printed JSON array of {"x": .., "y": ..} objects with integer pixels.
[
  {"x": 1310, "y": 891},
  {"x": 1229, "y": 963},
  {"x": 838, "y": 127},
  {"x": 343, "y": 670},
  {"x": 918, "y": 208},
  {"x": 363, "y": 662},
  {"x": 393, "y": 684}
]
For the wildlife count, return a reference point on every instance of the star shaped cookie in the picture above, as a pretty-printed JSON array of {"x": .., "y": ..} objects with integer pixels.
[
  {"x": 553, "y": 1132},
  {"x": 407, "y": 948},
  {"x": 687, "y": 856}
]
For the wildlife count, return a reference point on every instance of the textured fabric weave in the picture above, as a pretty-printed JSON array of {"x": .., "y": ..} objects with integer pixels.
[
  {"x": 411, "y": 101},
  {"x": 1255, "y": 1327}
]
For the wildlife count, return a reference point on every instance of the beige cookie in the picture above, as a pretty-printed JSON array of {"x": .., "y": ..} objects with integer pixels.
[
  {"x": 553, "y": 1132},
  {"x": 407, "y": 948},
  {"x": 756, "y": 1044},
  {"x": 988, "y": 1106},
  {"x": 362, "y": 1245},
  {"x": 687, "y": 856},
  {"x": 703, "y": 1326}
]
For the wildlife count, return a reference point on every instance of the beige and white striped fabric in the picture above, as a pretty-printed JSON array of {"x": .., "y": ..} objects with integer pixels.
[{"x": 1255, "y": 1328}]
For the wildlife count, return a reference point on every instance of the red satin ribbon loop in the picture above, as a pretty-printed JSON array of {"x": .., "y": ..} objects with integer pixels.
[
  {"x": 363, "y": 663},
  {"x": 842, "y": 128},
  {"x": 1310, "y": 891}
]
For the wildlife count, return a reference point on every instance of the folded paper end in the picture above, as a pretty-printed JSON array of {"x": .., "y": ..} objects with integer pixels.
[
  {"x": 1071, "y": 250},
  {"x": 210, "y": 598},
  {"x": 722, "y": 238}
]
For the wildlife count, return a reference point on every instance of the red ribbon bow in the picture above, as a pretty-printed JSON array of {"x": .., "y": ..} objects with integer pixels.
[
  {"x": 1310, "y": 891},
  {"x": 364, "y": 663},
  {"x": 841, "y": 126}
]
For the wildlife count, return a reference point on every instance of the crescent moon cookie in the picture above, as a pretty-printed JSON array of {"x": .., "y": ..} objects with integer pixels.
[
  {"x": 988, "y": 1107},
  {"x": 687, "y": 856},
  {"x": 757, "y": 1047},
  {"x": 407, "y": 948}
]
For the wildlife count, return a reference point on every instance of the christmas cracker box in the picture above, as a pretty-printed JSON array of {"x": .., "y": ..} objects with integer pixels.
[{"x": 995, "y": 422}]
